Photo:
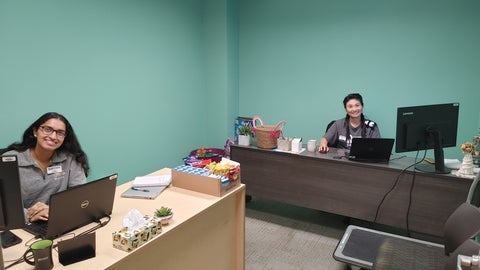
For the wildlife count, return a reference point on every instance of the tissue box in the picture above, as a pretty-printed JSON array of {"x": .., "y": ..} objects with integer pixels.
[
  {"x": 128, "y": 241},
  {"x": 201, "y": 180},
  {"x": 297, "y": 145}
]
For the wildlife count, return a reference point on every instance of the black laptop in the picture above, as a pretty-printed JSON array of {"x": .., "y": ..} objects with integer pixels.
[
  {"x": 76, "y": 207},
  {"x": 371, "y": 149}
]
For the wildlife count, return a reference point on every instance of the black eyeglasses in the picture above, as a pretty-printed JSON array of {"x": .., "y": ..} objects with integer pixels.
[{"x": 48, "y": 130}]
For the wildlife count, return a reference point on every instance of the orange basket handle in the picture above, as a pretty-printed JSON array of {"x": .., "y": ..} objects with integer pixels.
[{"x": 279, "y": 125}]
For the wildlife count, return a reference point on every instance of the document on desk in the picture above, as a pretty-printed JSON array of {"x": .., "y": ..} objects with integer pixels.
[
  {"x": 143, "y": 193},
  {"x": 152, "y": 180}
]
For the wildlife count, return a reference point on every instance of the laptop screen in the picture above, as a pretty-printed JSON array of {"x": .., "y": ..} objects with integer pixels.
[
  {"x": 371, "y": 149},
  {"x": 79, "y": 206}
]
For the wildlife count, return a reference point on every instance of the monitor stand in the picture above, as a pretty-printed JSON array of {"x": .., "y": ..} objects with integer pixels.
[
  {"x": 439, "y": 166},
  {"x": 432, "y": 168}
]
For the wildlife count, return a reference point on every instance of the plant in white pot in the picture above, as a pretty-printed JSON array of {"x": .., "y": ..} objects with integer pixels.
[
  {"x": 165, "y": 214},
  {"x": 244, "y": 135}
]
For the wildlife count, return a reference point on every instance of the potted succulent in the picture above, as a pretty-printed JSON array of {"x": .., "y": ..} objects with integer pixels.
[
  {"x": 165, "y": 214},
  {"x": 244, "y": 135}
]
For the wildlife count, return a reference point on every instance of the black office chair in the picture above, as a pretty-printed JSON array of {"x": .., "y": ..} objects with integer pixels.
[
  {"x": 372, "y": 249},
  {"x": 328, "y": 126},
  {"x": 462, "y": 225},
  {"x": 470, "y": 246}
]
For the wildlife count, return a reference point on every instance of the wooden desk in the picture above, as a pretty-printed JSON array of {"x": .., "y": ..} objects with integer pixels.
[
  {"x": 206, "y": 232},
  {"x": 353, "y": 189}
]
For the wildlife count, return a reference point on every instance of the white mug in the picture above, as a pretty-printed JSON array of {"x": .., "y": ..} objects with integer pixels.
[{"x": 311, "y": 145}]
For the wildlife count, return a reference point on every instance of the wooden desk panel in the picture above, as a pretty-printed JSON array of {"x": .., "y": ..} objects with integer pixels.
[
  {"x": 353, "y": 189},
  {"x": 206, "y": 232}
]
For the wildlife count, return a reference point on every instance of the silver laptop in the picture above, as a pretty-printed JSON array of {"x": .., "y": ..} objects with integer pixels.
[
  {"x": 77, "y": 207},
  {"x": 371, "y": 149}
]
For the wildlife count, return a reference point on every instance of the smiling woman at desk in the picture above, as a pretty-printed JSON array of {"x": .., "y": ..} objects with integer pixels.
[
  {"x": 50, "y": 160},
  {"x": 340, "y": 132}
]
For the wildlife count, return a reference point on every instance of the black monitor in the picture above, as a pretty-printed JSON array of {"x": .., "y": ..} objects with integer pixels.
[
  {"x": 428, "y": 127},
  {"x": 11, "y": 205}
]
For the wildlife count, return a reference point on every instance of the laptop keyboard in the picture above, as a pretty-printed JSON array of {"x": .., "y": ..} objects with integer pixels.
[{"x": 39, "y": 228}]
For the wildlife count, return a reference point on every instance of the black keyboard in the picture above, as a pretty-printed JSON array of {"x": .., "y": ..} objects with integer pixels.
[{"x": 39, "y": 228}]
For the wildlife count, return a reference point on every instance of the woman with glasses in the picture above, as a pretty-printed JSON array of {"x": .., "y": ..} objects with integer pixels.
[
  {"x": 50, "y": 159},
  {"x": 340, "y": 133}
]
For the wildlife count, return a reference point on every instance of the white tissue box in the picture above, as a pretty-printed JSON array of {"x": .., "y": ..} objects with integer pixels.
[
  {"x": 128, "y": 241},
  {"x": 297, "y": 145}
]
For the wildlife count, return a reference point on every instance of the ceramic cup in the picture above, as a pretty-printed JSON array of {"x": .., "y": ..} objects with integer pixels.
[
  {"x": 42, "y": 254},
  {"x": 311, "y": 145}
]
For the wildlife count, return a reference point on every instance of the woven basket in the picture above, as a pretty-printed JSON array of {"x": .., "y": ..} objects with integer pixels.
[{"x": 267, "y": 135}]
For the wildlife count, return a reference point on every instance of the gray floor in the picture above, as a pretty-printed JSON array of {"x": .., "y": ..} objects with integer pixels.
[{"x": 285, "y": 237}]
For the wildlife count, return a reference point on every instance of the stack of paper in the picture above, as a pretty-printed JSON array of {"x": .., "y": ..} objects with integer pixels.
[
  {"x": 452, "y": 163},
  {"x": 152, "y": 180}
]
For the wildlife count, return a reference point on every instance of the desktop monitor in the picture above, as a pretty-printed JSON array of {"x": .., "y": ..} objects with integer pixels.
[
  {"x": 427, "y": 127},
  {"x": 11, "y": 205}
]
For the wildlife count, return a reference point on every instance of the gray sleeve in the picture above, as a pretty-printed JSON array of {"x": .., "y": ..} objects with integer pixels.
[{"x": 332, "y": 134}]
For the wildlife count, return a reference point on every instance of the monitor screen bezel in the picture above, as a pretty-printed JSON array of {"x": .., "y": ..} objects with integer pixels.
[
  {"x": 10, "y": 194},
  {"x": 427, "y": 127}
]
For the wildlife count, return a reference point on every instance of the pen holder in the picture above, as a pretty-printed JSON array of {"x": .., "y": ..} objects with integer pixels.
[{"x": 284, "y": 144}]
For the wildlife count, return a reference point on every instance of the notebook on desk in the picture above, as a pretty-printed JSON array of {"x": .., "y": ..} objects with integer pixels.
[
  {"x": 143, "y": 193},
  {"x": 76, "y": 207},
  {"x": 371, "y": 149}
]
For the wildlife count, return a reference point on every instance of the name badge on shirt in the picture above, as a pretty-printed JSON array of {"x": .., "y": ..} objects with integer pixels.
[{"x": 54, "y": 169}]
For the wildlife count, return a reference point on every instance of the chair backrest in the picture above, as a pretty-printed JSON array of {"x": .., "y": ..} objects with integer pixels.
[
  {"x": 328, "y": 126},
  {"x": 463, "y": 224}
]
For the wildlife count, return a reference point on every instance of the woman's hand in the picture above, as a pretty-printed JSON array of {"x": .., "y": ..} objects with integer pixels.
[
  {"x": 39, "y": 211},
  {"x": 323, "y": 148}
]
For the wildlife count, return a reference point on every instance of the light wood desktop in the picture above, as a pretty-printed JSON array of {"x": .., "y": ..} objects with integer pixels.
[
  {"x": 206, "y": 232},
  {"x": 332, "y": 184}
]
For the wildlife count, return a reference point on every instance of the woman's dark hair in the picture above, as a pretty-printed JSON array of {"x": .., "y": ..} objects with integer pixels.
[
  {"x": 358, "y": 97},
  {"x": 349, "y": 97},
  {"x": 70, "y": 143}
]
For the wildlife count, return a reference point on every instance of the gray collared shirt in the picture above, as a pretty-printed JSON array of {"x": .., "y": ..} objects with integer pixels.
[
  {"x": 337, "y": 133},
  {"x": 62, "y": 173}
]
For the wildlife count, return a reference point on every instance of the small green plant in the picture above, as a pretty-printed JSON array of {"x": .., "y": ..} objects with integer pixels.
[
  {"x": 245, "y": 130},
  {"x": 163, "y": 212}
]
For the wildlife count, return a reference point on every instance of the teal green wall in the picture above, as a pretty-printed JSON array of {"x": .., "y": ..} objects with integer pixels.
[
  {"x": 131, "y": 76},
  {"x": 221, "y": 68},
  {"x": 144, "y": 82},
  {"x": 298, "y": 59}
]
